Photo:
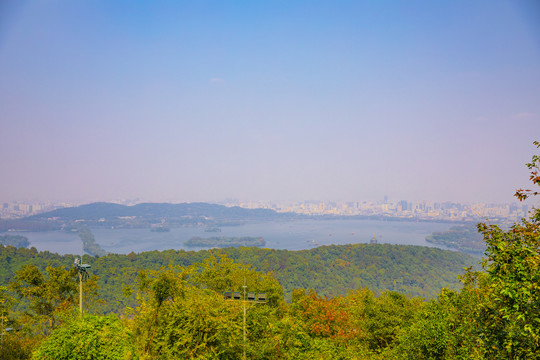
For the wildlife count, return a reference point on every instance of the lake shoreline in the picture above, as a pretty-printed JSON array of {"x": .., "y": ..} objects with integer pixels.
[{"x": 299, "y": 234}]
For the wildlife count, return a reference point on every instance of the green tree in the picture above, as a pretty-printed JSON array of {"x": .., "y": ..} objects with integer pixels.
[
  {"x": 381, "y": 320},
  {"x": 50, "y": 296},
  {"x": 182, "y": 312},
  {"x": 510, "y": 315},
  {"x": 92, "y": 338},
  {"x": 15, "y": 344},
  {"x": 220, "y": 273},
  {"x": 509, "y": 318},
  {"x": 5, "y": 301},
  {"x": 497, "y": 313},
  {"x": 178, "y": 320},
  {"x": 444, "y": 328}
]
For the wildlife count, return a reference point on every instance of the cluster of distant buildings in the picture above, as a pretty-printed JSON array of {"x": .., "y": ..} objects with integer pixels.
[
  {"x": 447, "y": 211},
  {"x": 14, "y": 210},
  {"x": 424, "y": 210}
]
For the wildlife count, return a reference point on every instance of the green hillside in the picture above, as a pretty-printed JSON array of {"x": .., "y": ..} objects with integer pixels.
[{"x": 330, "y": 270}]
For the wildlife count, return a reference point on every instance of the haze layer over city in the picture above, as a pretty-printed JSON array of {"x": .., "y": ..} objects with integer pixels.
[{"x": 283, "y": 102}]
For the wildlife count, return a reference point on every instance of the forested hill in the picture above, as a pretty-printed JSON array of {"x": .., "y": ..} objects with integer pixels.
[
  {"x": 96, "y": 211},
  {"x": 142, "y": 215},
  {"x": 336, "y": 269},
  {"x": 330, "y": 270},
  {"x": 108, "y": 211}
]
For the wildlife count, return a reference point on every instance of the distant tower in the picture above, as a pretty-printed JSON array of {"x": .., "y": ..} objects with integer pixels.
[
  {"x": 386, "y": 199},
  {"x": 404, "y": 205},
  {"x": 373, "y": 240}
]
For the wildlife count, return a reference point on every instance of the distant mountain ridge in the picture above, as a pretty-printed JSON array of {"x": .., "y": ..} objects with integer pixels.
[{"x": 109, "y": 211}]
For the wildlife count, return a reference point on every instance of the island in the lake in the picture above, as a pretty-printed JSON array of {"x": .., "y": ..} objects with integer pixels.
[{"x": 223, "y": 241}]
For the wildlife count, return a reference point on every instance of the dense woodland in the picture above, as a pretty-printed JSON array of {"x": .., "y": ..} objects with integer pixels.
[
  {"x": 172, "y": 304},
  {"x": 411, "y": 270}
]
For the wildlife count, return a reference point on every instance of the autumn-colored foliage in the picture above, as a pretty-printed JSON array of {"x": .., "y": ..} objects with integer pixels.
[
  {"x": 323, "y": 316},
  {"x": 534, "y": 167}
]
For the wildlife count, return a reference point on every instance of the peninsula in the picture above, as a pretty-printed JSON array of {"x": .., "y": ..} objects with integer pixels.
[{"x": 223, "y": 241}]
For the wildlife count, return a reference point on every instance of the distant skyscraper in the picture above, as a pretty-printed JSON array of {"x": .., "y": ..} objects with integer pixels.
[
  {"x": 404, "y": 205},
  {"x": 512, "y": 208}
]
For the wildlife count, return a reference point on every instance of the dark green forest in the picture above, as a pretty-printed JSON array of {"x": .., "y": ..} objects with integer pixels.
[{"x": 363, "y": 301}]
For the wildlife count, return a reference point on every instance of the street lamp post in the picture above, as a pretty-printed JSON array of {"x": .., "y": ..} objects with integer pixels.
[
  {"x": 260, "y": 298},
  {"x": 245, "y": 287}
]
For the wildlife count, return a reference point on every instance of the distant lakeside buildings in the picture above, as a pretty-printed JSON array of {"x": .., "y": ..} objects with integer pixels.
[
  {"x": 443, "y": 211},
  {"x": 15, "y": 210},
  {"x": 435, "y": 211}
]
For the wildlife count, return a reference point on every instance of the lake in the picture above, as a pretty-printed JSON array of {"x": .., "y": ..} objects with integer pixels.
[{"x": 289, "y": 235}]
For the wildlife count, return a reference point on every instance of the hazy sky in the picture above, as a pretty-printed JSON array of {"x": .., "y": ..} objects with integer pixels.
[{"x": 267, "y": 100}]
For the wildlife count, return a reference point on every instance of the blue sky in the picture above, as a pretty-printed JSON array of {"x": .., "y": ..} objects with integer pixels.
[{"x": 278, "y": 100}]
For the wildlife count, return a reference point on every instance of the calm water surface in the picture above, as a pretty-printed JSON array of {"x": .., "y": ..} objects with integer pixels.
[{"x": 289, "y": 235}]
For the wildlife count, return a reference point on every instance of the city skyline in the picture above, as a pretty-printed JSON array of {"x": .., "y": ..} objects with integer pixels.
[
  {"x": 401, "y": 209},
  {"x": 287, "y": 101}
]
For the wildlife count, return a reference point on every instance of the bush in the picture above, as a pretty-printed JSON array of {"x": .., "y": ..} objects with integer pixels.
[{"x": 92, "y": 338}]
